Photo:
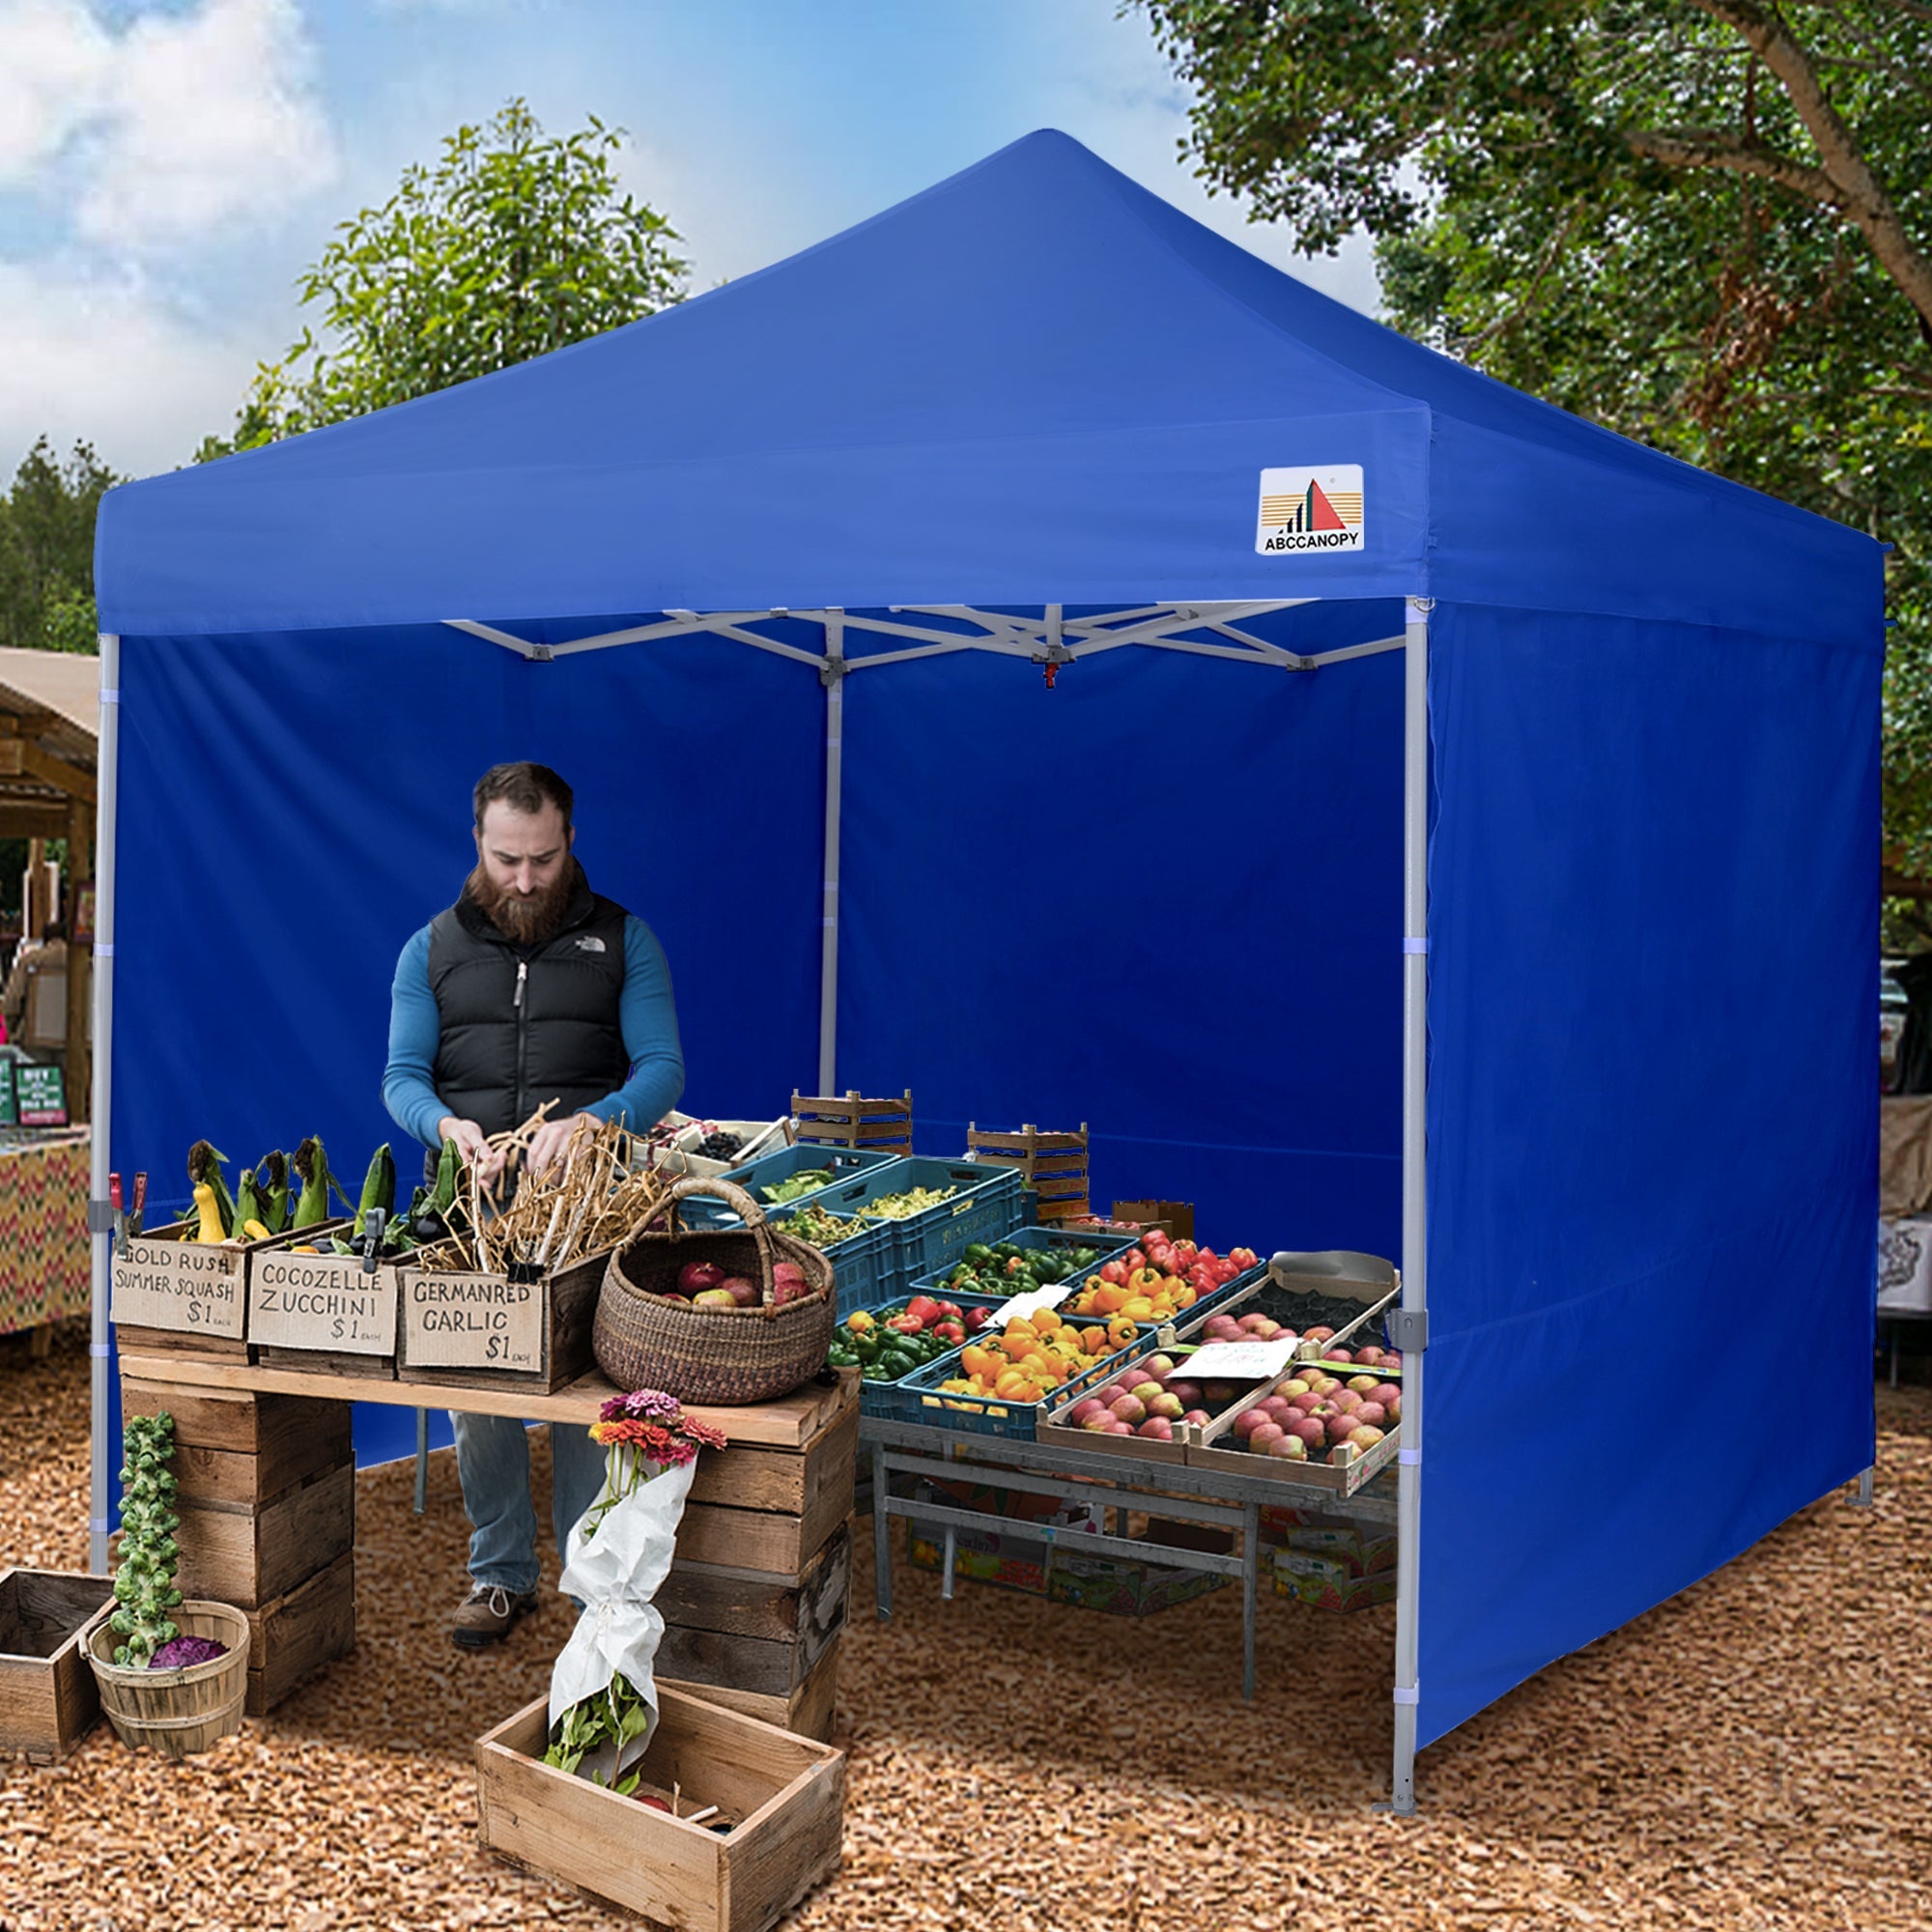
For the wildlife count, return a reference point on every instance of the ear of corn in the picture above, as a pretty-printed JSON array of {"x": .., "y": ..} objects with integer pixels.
[
  {"x": 272, "y": 1190},
  {"x": 312, "y": 1165},
  {"x": 204, "y": 1169},
  {"x": 247, "y": 1206}
]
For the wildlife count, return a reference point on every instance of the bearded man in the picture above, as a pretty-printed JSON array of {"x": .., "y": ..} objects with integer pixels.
[{"x": 531, "y": 988}]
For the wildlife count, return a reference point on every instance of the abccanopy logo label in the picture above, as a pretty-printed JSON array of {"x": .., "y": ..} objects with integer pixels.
[{"x": 1304, "y": 508}]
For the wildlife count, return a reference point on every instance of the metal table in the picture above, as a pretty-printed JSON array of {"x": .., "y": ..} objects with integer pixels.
[{"x": 1170, "y": 1491}]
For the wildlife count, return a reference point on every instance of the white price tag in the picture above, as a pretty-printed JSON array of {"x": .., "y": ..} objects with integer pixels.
[
  {"x": 1242, "y": 1361},
  {"x": 1029, "y": 1303}
]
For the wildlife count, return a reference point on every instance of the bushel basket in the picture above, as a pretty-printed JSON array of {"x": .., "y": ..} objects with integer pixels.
[{"x": 645, "y": 1338}]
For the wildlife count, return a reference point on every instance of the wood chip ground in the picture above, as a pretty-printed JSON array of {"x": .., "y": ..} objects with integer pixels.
[{"x": 1755, "y": 1753}]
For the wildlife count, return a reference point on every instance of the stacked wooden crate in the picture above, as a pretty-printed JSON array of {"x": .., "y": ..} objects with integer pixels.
[
  {"x": 831, "y": 1119},
  {"x": 1052, "y": 1166},
  {"x": 267, "y": 1521},
  {"x": 756, "y": 1598}
]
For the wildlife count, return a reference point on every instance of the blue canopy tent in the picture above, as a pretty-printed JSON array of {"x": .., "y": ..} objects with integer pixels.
[{"x": 1444, "y": 829}]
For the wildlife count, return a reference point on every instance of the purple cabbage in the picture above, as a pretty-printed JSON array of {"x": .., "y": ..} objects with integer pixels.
[{"x": 178, "y": 1653}]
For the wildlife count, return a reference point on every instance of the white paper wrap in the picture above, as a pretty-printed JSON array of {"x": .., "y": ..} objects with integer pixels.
[{"x": 615, "y": 1574}]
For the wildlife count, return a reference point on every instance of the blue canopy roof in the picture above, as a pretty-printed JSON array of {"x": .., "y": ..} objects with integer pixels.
[
  {"x": 1034, "y": 383},
  {"x": 1165, "y": 897}
]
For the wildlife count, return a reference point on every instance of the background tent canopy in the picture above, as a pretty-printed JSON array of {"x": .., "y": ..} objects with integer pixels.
[
  {"x": 1164, "y": 896},
  {"x": 1034, "y": 383}
]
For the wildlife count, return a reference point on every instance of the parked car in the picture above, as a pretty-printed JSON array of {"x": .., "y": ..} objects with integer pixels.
[{"x": 1891, "y": 1004}]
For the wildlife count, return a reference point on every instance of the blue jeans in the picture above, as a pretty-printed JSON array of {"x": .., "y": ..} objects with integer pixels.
[{"x": 492, "y": 1459}]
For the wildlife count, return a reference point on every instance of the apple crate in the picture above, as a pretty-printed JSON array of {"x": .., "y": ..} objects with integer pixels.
[
  {"x": 781, "y": 1798},
  {"x": 1051, "y": 1426},
  {"x": 1205, "y": 1449},
  {"x": 49, "y": 1699}
]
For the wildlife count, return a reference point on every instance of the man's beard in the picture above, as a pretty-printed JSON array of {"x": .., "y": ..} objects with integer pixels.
[{"x": 523, "y": 920}]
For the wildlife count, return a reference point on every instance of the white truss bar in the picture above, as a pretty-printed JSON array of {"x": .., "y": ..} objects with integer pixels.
[
  {"x": 742, "y": 637},
  {"x": 1358, "y": 651},
  {"x": 1273, "y": 660},
  {"x": 640, "y": 634},
  {"x": 523, "y": 646}
]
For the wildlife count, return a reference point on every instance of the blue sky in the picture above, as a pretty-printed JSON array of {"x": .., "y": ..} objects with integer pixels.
[{"x": 168, "y": 166}]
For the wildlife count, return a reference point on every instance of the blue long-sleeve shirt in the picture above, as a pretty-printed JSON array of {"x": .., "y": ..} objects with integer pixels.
[{"x": 645, "y": 1012}]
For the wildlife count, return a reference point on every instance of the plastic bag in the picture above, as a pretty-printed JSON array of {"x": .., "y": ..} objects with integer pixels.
[{"x": 615, "y": 1574}]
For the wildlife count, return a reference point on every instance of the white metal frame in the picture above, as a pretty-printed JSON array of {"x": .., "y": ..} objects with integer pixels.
[{"x": 1201, "y": 629}]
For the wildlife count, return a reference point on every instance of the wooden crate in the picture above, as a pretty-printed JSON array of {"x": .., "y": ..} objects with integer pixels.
[
  {"x": 171, "y": 1294},
  {"x": 778, "y": 1518},
  {"x": 323, "y": 1310},
  {"x": 850, "y": 1121},
  {"x": 1052, "y": 1165},
  {"x": 250, "y": 1557},
  {"x": 808, "y": 1712},
  {"x": 752, "y": 1631},
  {"x": 236, "y": 1451},
  {"x": 300, "y": 1633},
  {"x": 487, "y": 1331},
  {"x": 787, "y": 1793},
  {"x": 48, "y": 1701}
]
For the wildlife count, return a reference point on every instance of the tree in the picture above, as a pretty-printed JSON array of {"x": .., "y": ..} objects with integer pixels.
[
  {"x": 46, "y": 549},
  {"x": 513, "y": 244},
  {"x": 1704, "y": 223}
]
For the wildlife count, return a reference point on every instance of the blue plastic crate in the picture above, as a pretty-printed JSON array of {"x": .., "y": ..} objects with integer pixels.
[
  {"x": 919, "y": 1398},
  {"x": 857, "y": 1265},
  {"x": 873, "y": 1396},
  {"x": 767, "y": 1170},
  {"x": 1106, "y": 1247},
  {"x": 985, "y": 1206}
]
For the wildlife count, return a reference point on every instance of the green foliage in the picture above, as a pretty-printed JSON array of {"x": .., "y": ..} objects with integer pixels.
[
  {"x": 46, "y": 550},
  {"x": 1704, "y": 224},
  {"x": 144, "y": 1581},
  {"x": 513, "y": 244},
  {"x": 615, "y": 1715}
]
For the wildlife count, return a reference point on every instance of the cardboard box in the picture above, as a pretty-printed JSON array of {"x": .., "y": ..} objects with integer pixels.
[
  {"x": 1348, "y": 1548},
  {"x": 1324, "y": 1593},
  {"x": 1175, "y": 1218}
]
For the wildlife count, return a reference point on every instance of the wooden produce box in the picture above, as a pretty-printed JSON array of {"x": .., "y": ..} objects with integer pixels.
[
  {"x": 808, "y": 1712},
  {"x": 323, "y": 1311},
  {"x": 784, "y": 1797},
  {"x": 850, "y": 1119},
  {"x": 756, "y": 1598},
  {"x": 1052, "y": 1166},
  {"x": 268, "y": 1521},
  {"x": 1204, "y": 1450},
  {"x": 741, "y": 1629},
  {"x": 48, "y": 1701},
  {"x": 462, "y": 1330}
]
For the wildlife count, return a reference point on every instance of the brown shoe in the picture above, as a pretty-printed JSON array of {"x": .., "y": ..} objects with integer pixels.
[{"x": 487, "y": 1615}]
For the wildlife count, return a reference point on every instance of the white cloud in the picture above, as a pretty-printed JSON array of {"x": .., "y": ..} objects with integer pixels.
[
  {"x": 55, "y": 64},
  {"x": 169, "y": 130},
  {"x": 101, "y": 357}
]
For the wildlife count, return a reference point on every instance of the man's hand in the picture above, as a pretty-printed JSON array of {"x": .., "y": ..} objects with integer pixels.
[
  {"x": 551, "y": 1140},
  {"x": 473, "y": 1144}
]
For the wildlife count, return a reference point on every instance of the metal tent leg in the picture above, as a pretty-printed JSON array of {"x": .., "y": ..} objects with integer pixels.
[
  {"x": 422, "y": 1460},
  {"x": 101, "y": 1122},
  {"x": 882, "y": 1536},
  {"x": 1414, "y": 1338},
  {"x": 1865, "y": 1496}
]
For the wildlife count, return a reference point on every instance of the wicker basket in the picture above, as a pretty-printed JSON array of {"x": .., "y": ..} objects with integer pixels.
[
  {"x": 645, "y": 1337},
  {"x": 183, "y": 1711}
]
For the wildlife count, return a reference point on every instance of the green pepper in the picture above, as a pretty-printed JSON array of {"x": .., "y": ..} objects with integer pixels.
[{"x": 977, "y": 1251}]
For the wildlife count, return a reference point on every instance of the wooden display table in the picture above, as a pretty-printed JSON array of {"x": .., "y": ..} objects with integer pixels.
[{"x": 755, "y": 1603}]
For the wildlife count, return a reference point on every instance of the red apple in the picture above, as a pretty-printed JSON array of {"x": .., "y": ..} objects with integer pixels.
[
  {"x": 1371, "y": 1415},
  {"x": 1129, "y": 1409},
  {"x": 1291, "y": 1448},
  {"x": 1156, "y": 1429},
  {"x": 694, "y": 1277},
  {"x": 714, "y": 1297},
  {"x": 744, "y": 1291},
  {"x": 1269, "y": 1432}
]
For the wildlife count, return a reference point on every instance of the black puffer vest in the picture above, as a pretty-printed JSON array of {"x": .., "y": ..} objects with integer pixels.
[{"x": 526, "y": 1024}]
